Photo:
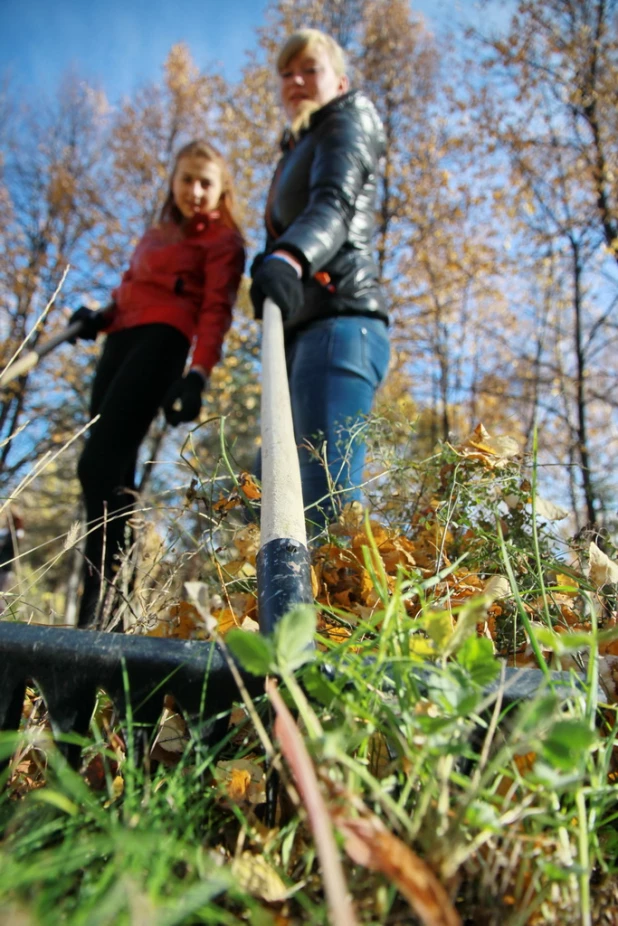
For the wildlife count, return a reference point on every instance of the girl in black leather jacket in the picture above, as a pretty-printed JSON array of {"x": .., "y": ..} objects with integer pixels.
[{"x": 318, "y": 266}]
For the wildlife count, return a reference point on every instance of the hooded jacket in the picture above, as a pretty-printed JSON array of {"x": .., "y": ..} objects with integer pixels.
[
  {"x": 184, "y": 277},
  {"x": 321, "y": 209}
]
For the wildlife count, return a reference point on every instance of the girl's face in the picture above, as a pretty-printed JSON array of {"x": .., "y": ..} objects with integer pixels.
[
  {"x": 197, "y": 185},
  {"x": 310, "y": 75}
]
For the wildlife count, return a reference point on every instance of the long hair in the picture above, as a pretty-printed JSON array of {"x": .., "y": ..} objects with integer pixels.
[
  {"x": 227, "y": 207},
  {"x": 302, "y": 40}
]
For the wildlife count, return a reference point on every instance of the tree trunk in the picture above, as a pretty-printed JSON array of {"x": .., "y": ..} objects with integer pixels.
[{"x": 580, "y": 388}]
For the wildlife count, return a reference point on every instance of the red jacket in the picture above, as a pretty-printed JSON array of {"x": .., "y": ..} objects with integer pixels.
[{"x": 184, "y": 277}]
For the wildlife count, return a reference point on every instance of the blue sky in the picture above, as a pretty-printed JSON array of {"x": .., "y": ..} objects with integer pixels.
[{"x": 118, "y": 45}]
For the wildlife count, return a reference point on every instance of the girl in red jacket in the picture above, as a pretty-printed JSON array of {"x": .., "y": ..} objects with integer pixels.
[{"x": 180, "y": 287}]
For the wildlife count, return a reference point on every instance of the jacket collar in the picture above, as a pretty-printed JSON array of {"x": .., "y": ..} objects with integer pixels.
[
  {"x": 199, "y": 223},
  {"x": 338, "y": 103}
]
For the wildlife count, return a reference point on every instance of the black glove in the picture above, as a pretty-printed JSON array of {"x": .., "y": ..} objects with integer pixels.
[
  {"x": 184, "y": 398},
  {"x": 277, "y": 280},
  {"x": 91, "y": 320},
  {"x": 256, "y": 263}
]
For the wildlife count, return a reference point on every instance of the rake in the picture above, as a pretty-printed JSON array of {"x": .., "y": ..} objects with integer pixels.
[{"x": 70, "y": 666}]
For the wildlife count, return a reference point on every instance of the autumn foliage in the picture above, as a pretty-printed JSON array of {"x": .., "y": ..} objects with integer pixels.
[{"x": 405, "y": 789}]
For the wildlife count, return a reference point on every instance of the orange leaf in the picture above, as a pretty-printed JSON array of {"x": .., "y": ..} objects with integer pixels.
[
  {"x": 226, "y": 504},
  {"x": 249, "y": 488},
  {"x": 238, "y": 784},
  {"x": 226, "y": 620},
  {"x": 370, "y": 844},
  {"x": 243, "y": 780}
]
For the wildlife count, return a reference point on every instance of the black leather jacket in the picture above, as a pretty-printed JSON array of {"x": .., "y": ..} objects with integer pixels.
[{"x": 321, "y": 208}]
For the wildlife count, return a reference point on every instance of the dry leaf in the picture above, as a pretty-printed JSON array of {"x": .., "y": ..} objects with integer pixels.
[
  {"x": 172, "y": 735},
  {"x": 249, "y": 487},
  {"x": 246, "y": 487},
  {"x": 226, "y": 620},
  {"x": 239, "y": 568},
  {"x": 349, "y": 521},
  {"x": 94, "y": 773},
  {"x": 491, "y": 451},
  {"x": 369, "y": 843},
  {"x": 184, "y": 621},
  {"x": 238, "y": 784},
  {"x": 548, "y": 511},
  {"x": 567, "y": 582},
  {"x": 247, "y": 542},
  {"x": 497, "y": 587},
  {"x": 336, "y": 633},
  {"x": 226, "y": 504},
  {"x": 249, "y": 624},
  {"x": 117, "y": 790},
  {"x": 602, "y": 570},
  {"x": 243, "y": 780},
  {"x": 257, "y": 877},
  {"x": 199, "y": 595}
]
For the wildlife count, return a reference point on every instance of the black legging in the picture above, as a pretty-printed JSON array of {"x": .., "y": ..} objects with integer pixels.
[{"x": 136, "y": 369}]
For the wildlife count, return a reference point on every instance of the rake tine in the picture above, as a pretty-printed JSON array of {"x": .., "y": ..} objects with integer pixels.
[
  {"x": 70, "y": 710},
  {"x": 136, "y": 672},
  {"x": 12, "y": 691}
]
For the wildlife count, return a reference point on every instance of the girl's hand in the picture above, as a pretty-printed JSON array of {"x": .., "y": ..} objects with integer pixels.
[
  {"x": 184, "y": 398},
  {"x": 91, "y": 320},
  {"x": 276, "y": 278}
]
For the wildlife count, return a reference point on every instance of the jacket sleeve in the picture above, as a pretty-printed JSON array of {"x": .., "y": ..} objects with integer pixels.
[
  {"x": 343, "y": 160},
  {"x": 127, "y": 276},
  {"x": 225, "y": 261},
  {"x": 109, "y": 313}
]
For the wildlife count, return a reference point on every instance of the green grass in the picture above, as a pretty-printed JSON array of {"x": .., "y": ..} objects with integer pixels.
[{"x": 514, "y": 808}]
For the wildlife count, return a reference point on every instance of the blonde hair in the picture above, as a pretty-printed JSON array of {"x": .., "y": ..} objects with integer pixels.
[
  {"x": 303, "y": 40},
  {"x": 309, "y": 38},
  {"x": 227, "y": 207}
]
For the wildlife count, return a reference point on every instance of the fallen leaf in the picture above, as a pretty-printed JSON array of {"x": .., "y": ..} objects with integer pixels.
[
  {"x": 349, "y": 521},
  {"x": 567, "y": 582},
  {"x": 184, "y": 621},
  {"x": 239, "y": 568},
  {"x": 94, "y": 773},
  {"x": 172, "y": 735},
  {"x": 491, "y": 451},
  {"x": 497, "y": 587},
  {"x": 225, "y": 504},
  {"x": 249, "y": 624},
  {"x": 370, "y": 844},
  {"x": 249, "y": 487},
  {"x": 243, "y": 780},
  {"x": 256, "y": 876},
  {"x": 602, "y": 570},
  {"x": 117, "y": 790},
  {"x": 226, "y": 620},
  {"x": 247, "y": 542},
  {"x": 238, "y": 784},
  {"x": 548, "y": 511}
]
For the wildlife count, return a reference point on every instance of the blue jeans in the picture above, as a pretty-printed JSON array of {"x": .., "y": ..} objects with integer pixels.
[{"x": 334, "y": 368}]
